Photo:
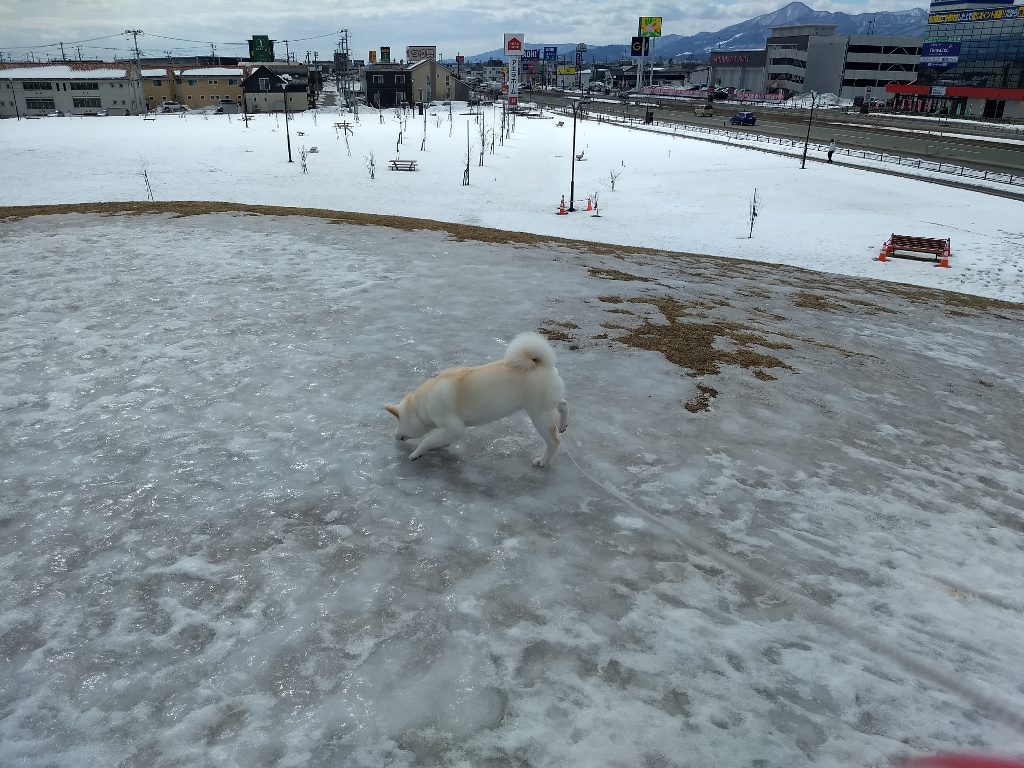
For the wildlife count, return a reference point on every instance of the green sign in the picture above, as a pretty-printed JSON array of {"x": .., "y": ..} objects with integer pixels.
[{"x": 261, "y": 48}]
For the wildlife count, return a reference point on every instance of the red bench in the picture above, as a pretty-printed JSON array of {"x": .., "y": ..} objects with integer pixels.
[{"x": 938, "y": 249}]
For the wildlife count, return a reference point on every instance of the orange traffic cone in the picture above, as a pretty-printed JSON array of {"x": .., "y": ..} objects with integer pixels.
[
  {"x": 561, "y": 207},
  {"x": 590, "y": 207},
  {"x": 944, "y": 259}
]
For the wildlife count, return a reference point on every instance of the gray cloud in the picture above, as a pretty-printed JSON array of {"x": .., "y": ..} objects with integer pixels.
[{"x": 452, "y": 25}]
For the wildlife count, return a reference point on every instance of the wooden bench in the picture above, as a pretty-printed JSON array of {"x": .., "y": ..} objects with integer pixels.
[
  {"x": 403, "y": 165},
  {"x": 937, "y": 248}
]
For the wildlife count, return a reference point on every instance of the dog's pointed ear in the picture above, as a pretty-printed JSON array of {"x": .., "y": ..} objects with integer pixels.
[{"x": 392, "y": 410}]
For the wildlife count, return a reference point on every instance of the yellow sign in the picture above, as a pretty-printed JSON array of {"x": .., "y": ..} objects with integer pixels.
[
  {"x": 566, "y": 69},
  {"x": 650, "y": 26}
]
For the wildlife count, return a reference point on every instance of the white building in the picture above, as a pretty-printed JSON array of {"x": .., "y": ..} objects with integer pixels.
[{"x": 74, "y": 88}]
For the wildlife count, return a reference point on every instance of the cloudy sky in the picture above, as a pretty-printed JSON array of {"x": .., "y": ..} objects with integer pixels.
[{"x": 454, "y": 26}]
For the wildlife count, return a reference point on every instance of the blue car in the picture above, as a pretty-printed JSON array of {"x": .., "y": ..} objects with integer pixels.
[{"x": 744, "y": 118}]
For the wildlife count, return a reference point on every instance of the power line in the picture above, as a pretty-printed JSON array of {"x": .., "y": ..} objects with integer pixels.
[{"x": 55, "y": 45}]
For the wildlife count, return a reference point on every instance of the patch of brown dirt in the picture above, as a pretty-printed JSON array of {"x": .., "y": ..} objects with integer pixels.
[
  {"x": 702, "y": 400},
  {"x": 614, "y": 274},
  {"x": 691, "y": 345}
]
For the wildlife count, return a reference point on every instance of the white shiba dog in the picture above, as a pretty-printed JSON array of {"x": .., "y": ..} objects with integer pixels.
[{"x": 441, "y": 408}]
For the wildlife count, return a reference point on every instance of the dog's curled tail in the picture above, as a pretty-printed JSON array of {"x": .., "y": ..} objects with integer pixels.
[{"x": 529, "y": 350}]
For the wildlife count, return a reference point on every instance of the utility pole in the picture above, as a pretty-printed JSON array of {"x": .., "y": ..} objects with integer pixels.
[
  {"x": 62, "y": 56},
  {"x": 287, "y": 56},
  {"x": 137, "y": 75},
  {"x": 135, "y": 34}
]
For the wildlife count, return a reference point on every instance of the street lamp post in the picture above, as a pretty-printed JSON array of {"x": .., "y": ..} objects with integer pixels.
[
  {"x": 807, "y": 138},
  {"x": 287, "y": 133},
  {"x": 572, "y": 178}
]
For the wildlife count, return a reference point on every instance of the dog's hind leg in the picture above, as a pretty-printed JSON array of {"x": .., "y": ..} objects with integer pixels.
[
  {"x": 546, "y": 424},
  {"x": 437, "y": 438},
  {"x": 563, "y": 415}
]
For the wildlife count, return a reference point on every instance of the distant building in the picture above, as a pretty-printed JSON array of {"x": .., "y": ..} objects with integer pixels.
[
  {"x": 972, "y": 61},
  {"x": 742, "y": 70},
  {"x": 74, "y": 88},
  {"x": 432, "y": 80},
  {"x": 193, "y": 87},
  {"x": 265, "y": 88},
  {"x": 812, "y": 57},
  {"x": 388, "y": 85}
]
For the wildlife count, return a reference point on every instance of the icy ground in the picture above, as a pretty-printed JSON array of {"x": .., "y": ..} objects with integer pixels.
[{"x": 215, "y": 554}]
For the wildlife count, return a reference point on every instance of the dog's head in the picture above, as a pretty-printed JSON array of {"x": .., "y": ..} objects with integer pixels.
[{"x": 409, "y": 424}]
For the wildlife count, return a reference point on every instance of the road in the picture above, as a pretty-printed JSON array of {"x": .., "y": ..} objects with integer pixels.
[{"x": 974, "y": 146}]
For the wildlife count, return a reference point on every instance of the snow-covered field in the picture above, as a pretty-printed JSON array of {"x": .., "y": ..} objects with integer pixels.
[
  {"x": 672, "y": 193},
  {"x": 215, "y": 554}
]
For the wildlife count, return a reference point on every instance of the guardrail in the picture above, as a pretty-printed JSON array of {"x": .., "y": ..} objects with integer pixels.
[{"x": 1012, "y": 179}]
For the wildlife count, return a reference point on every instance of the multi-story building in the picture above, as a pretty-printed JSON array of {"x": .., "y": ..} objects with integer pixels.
[
  {"x": 74, "y": 88},
  {"x": 265, "y": 89},
  {"x": 972, "y": 61},
  {"x": 193, "y": 87},
  {"x": 812, "y": 57},
  {"x": 388, "y": 85},
  {"x": 433, "y": 80}
]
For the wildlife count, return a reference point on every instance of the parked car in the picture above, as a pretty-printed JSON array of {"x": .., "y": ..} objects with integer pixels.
[
  {"x": 704, "y": 110},
  {"x": 172, "y": 106},
  {"x": 720, "y": 95},
  {"x": 744, "y": 118},
  {"x": 55, "y": 113}
]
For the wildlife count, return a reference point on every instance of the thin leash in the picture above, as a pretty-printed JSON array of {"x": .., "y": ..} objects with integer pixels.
[{"x": 997, "y": 708}]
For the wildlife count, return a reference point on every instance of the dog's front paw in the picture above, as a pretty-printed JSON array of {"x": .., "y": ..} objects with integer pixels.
[{"x": 540, "y": 462}]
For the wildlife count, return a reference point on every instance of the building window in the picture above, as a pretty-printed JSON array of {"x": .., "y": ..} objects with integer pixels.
[
  {"x": 264, "y": 83},
  {"x": 378, "y": 79},
  {"x": 211, "y": 82},
  {"x": 36, "y": 85},
  {"x": 399, "y": 79},
  {"x": 158, "y": 83},
  {"x": 193, "y": 82},
  {"x": 86, "y": 103},
  {"x": 232, "y": 81},
  {"x": 39, "y": 103},
  {"x": 85, "y": 86}
]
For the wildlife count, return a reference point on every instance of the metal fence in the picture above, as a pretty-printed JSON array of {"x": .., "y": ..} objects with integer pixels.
[{"x": 1013, "y": 179}]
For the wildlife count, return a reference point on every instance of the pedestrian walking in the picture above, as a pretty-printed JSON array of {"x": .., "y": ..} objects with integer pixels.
[{"x": 831, "y": 149}]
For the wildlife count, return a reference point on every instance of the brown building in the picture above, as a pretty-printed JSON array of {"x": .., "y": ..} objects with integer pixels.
[{"x": 193, "y": 87}]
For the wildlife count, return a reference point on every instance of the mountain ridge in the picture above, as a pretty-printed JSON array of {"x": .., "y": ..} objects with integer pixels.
[{"x": 749, "y": 34}]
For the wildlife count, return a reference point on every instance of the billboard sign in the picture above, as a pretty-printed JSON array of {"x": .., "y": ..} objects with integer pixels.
[
  {"x": 730, "y": 58},
  {"x": 414, "y": 53},
  {"x": 514, "y": 44},
  {"x": 460, "y": 59},
  {"x": 566, "y": 69},
  {"x": 385, "y": 54},
  {"x": 533, "y": 53},
  {"x": 373, "y": 57},
  {"x": 992, "y": 14},
  {"x": 940, "y": 55},
  {"x": 650, "y": 26},
  {"x": 513, "y": 80},
  {"x": 261, "y": 48},
  {"x": 550, "y": 53}
]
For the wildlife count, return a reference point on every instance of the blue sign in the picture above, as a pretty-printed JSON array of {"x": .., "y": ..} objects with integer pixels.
[
  {"x": 531, "y": 53},
  {"x": 944, "y": 54},
  {"x": 550, "y": 53}
]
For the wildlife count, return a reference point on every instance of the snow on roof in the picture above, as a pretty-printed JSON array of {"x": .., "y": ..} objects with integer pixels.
[
  {"x": 210, "y": 71},
  {"x": 64, "y": 72},
  {"x": 154, "y": 73}
]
